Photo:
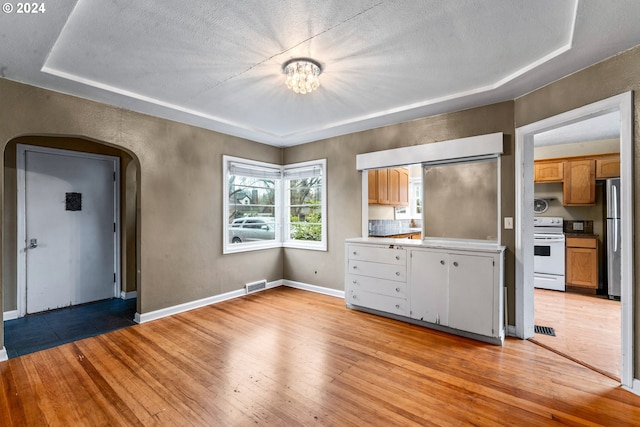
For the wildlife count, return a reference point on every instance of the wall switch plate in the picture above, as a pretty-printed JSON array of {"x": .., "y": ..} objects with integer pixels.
[
  {"x": 508, "y": 223},
  {"x": 578, "y": 226}
]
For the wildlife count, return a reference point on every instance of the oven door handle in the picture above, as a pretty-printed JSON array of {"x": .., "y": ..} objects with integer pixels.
[{"x": 548, "y": 239}]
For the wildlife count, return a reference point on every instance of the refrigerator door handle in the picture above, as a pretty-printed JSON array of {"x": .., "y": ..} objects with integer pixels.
[
  {"x": 615, "y": 201},
  {"x": 615, "y": 233}
]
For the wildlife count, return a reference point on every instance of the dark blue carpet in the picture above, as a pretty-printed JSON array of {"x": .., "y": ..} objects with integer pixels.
[{"x": 52, "y": 328}]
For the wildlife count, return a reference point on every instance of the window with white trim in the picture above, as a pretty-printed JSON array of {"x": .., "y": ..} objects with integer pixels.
[
  {"x": 305, "y": 218},
  {"x": 267, "y": 206}
]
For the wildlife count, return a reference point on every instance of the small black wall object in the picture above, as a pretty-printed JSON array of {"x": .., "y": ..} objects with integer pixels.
[{"x": 73, "y": 201}]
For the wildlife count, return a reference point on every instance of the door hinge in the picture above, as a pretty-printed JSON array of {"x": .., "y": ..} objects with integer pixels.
[
  {"x": 114, "y": 177},
  {"x": 114, "y": 227},
  {"x": 114, "y": 277}
]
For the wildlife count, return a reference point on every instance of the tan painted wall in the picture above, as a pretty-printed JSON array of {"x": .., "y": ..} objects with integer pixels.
[
  {"x": 344, "y": 184},
  {"x": 611, "y": 77},
  {"x": 180, "y": 191}
]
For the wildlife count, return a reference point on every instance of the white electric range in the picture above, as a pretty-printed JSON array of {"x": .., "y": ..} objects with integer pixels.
[{"x": 549, "y": 253}]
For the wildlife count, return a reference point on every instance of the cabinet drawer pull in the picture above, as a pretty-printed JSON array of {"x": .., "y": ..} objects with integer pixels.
[
  {"x": 397, "y": 289},
  {"x": 354, "y": 297},
  {"x": 355, "y": 282},
  {"x": 398, "y": 257},
  {"x": 398, "y": 306},
  {"x": 355, "y": 267},
  {"x": 397, "y": 273},
  {"x": 442, "y": 261},
  {"x": 455, "y": 263},
  {"x": 355, "y": 253}
]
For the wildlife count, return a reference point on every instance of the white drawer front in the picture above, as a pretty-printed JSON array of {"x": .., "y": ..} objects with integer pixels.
[
  {"x": 396, "y": 273},
  {"x": 377, "y": 286},
  {"x": 379, "y": 302},
  {"x": 378, "y": 254}
]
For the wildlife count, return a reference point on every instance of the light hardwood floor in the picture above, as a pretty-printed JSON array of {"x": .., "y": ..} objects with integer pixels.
[
  {"x": 588, "y": 328},
  {"x": 286, "y": 357}
]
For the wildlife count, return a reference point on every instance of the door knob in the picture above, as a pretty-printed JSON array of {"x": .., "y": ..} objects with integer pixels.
[{"x": 33, "y": 243}]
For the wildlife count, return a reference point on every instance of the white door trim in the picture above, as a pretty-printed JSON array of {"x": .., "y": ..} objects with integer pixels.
[
  {"x": 21, "y": 225},
  {"x": 524, "y": 217}
]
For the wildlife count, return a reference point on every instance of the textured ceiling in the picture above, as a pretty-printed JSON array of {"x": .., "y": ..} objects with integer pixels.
[{"x": 218, "y": 64}]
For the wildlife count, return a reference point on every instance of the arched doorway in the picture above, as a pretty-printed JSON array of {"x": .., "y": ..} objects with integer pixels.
[{"x": 127, "y": 242}]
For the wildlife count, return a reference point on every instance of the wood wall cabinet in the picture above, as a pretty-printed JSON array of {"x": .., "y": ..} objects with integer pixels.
[
  {"x": 608, "y": 167},
  {"x": 389, "y": 187},
  {"x": 582, "y": 263},
  {"x": 579, "y": 185},
  {"x": 548, "y": 171},
  {"x": 578, "y": 175},
  {"x": 372, "y": 181}
]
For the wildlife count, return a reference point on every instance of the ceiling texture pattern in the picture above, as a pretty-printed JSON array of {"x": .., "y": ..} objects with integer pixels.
[{"x": 218, "y": 64}]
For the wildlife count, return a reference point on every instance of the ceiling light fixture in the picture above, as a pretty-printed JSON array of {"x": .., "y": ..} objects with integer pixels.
[{"x": 302, "y": 75}]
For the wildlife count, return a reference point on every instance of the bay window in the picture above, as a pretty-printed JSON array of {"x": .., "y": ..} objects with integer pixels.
[{"x": 267, "y": 205}]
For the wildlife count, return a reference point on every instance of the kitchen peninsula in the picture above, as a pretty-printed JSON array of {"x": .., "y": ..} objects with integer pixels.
[{"x": 456, "y": 287}]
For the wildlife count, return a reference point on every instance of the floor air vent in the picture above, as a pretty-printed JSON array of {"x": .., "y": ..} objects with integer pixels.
[
  {"x": 544, "y": 330},
  {"x": 256, "y": 286}
]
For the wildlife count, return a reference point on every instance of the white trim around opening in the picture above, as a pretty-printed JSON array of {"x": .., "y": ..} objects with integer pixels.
[{"x": 524, "y": 219}]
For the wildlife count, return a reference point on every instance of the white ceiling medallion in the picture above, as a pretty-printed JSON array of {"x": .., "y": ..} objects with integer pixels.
[{"x": 302, "y": 75}]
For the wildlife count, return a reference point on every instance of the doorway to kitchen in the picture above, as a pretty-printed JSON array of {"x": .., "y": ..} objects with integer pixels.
[{"x": 525, "y": 140}]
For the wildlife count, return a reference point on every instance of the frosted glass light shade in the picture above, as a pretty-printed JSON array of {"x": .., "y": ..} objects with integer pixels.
[{"x": 302, "y": 75}]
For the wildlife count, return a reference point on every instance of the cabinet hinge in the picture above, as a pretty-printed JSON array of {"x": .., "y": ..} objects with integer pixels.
[
  {"x": 114, "y": 277},
  {"x": 114, "y": 227},
  {"x": 114, "y": 177}
]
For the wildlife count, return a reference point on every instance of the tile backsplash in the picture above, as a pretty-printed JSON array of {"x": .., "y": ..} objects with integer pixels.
[
  {"x": 578, "y": 227},
  {"x": 385, "y": 227}
]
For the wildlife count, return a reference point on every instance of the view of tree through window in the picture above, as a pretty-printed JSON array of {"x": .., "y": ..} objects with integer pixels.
[
  {"x": 268, "y": 205},
  {"x": 305, "y": 208}
]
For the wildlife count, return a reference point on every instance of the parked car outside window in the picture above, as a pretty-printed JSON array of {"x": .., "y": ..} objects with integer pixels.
[{"x": 251, "y": 229}]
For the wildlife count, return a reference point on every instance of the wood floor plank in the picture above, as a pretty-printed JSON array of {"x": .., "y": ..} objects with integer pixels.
[
  {"x": 295, "y": 358},
  {"x": 587, "y": 328}
]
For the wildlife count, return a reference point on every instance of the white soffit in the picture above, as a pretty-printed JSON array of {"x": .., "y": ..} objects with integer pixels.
[
  {"x": 462, "y": 148},
  {"x": 605, "y": 126},
  {"x": 218, "y": 65}
]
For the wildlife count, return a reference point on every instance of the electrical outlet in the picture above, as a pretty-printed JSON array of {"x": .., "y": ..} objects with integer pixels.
[{"x": 508, "y": 223}]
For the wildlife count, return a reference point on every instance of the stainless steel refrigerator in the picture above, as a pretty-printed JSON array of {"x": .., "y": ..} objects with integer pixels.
[{"x": 613, "y": 237}]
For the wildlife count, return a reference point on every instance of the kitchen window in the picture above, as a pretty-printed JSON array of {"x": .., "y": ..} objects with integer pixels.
[{"x": 268, "y": 206}]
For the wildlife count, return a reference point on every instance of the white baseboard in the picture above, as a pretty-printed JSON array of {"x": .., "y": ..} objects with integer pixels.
[
  {"x": 10, "y": 315},
  {"x": 3, "y": 354},
  {"x": 180, "y": 308},
  {"x": 511, "y": 331},
  {"x": 635, "y": 387},
  {"x": 128, "y": 295},
  {"x": 314, "y": 288}
]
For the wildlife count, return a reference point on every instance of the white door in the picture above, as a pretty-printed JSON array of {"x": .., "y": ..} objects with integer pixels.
[{"x": 70, "y": 217}]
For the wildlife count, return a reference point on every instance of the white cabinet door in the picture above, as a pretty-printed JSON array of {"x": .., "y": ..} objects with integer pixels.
[
  {"x": 429, "y": 288},
  {"x": 471, "y": 287}
]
